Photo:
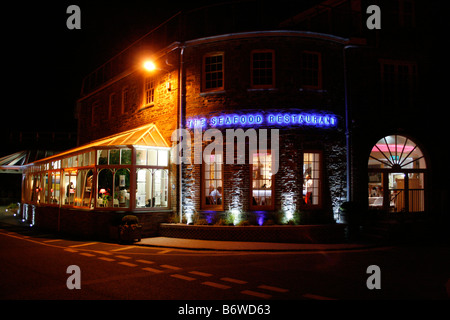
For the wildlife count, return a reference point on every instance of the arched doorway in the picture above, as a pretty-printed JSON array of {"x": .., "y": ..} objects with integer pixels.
[{"x": 397, "y": 175}]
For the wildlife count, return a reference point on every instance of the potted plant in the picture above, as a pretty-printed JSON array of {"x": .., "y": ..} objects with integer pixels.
[{"x": 130, "y": 229}]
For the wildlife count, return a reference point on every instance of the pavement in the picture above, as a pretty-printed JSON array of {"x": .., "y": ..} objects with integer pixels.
[
  {"x": 193, "y": 244},
  {"x": 8, "y": 218}
]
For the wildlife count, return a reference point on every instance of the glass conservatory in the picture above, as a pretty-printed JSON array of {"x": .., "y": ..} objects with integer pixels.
[{"x": 126, "y": 171}]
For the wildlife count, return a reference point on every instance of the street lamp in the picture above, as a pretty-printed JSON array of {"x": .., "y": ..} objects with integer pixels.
[{"x": 149, "y": 65}]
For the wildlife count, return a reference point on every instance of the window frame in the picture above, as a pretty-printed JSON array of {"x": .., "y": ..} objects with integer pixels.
[
  {"x": 272, "y": 188},
  {"x": 319, "y": 84},
  {"x": 252, "y": 69},
  {"x": 303, "y": 204},
  {"x": 204, "y": 81},
  {"x": 204, "y": 205},
  {"x": 125, "y": 99},
  {"x": 392, "y": 89},
  {"x": 152, "y": 89}
]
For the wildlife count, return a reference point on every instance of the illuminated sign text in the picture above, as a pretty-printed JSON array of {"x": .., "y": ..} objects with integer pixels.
[{"x": 286, "y": 119}]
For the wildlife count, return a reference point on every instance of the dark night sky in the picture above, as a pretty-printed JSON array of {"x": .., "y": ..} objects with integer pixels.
[{"x": 45, "y": 61}]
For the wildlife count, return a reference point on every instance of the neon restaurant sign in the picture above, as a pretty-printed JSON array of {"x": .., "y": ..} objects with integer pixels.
[{"x": 257, "y": 119}]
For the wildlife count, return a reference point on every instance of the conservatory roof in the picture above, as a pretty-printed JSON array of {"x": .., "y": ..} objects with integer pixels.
[
  {"x": 15, "y": 162},
  {"x": 147, "y": 135}
]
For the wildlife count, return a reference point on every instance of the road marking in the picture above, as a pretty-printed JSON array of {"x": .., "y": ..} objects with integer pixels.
[
  {"x": 70, "y": 250},
  {"x": 52, "y": 240},
  {"x": 169, "y": 267},
  {"x": 106, "y": 259},
  {"x": 165, "y": 251},
  {"x": 106, "y": 253},
  {"x": 122, "y": 257},
  {"x": 276, "y": 289},
  {"x": 145, "y": 261},
  {"x": 128, "y": 264},
  {"x": 216, "y": 285},
  {"x": 122, "y": 248},
  {"x": 83, "y": 244},
  {"x": 316, "y": 297},
  {"x": 256, "y": 294},
  {"x": 203, "y": 274},
  {"x": 180, "y": 276},
  {"x": 233, "y": 280},
  {"x": 152, "y": 270},
  {"x": 87, "y": 254}
]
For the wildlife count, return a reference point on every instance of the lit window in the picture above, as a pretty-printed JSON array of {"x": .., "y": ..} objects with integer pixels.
[
  {"x": 69, "y": 184},
  {"x": 311, "y": 178},
  {"x": 262, "y": 187},
  {"x": 83, "y": 191},
  {"x": 263, "y": 75},
  {"x": 397, "y": 170},
  {"x": 152, "y": 188},
  {"x": 213, "y": 72},
  {"x": 213, "y": 182}
]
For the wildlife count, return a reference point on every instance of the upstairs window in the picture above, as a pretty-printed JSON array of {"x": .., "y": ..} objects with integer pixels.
[
  {"x": 311, "y": 70},
  {"x": 213, "y": 72},
  {"x": 263, "y": 69},
  {"x": 399, "y": 82},
  {"x": 149, "y": 91}
]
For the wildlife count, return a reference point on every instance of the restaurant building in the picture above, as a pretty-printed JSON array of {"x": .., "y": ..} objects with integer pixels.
[{"x": 312, "y": 92}]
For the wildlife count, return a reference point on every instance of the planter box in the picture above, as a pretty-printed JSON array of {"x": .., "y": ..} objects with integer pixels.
[
  {"x": 130, "y": 233},
  {"x": 333, "y": 233}
]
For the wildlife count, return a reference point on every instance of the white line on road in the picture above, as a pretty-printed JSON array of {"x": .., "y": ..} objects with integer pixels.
[
  {"x": 170, "y": 267},
  {"x": 316, "y": 297},
  {"x": 203, "y": 274},
  {"x": 106, "y": 253},
  {"x": 52, "y": 240},
  {"x": 152, "y": 270},
  {"x": 180, "y": 276},
  {"x": 106, "y": 259},
  {"x": 122, "y": 248},
  {"x": 87, "y": 254},
  {"x": 233, "y": 280},
  {"x": 256, "y": 294},
  {"x": 123, "y": 257},
  {"x": 145, "y": 261},
  {"x": 83, "y": 244},
  {"x": 128, "y": 264},
  {"x": 216, "y": 285},
  {"x": 276, "y": 289}
]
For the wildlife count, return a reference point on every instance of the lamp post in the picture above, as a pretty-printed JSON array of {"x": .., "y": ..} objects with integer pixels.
[{"x": 150, "y": 66}]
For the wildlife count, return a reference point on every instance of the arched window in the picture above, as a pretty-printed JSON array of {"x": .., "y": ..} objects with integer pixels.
[{"x": 397, "y": 170}]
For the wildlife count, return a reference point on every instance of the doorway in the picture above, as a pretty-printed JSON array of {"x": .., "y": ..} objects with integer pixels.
[{"x": 396, "y": 175}]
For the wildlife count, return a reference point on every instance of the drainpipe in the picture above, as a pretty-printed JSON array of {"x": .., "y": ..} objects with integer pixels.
[
  {"x": 348, "y": 124},
  {"x": 181, "y": 124}
]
